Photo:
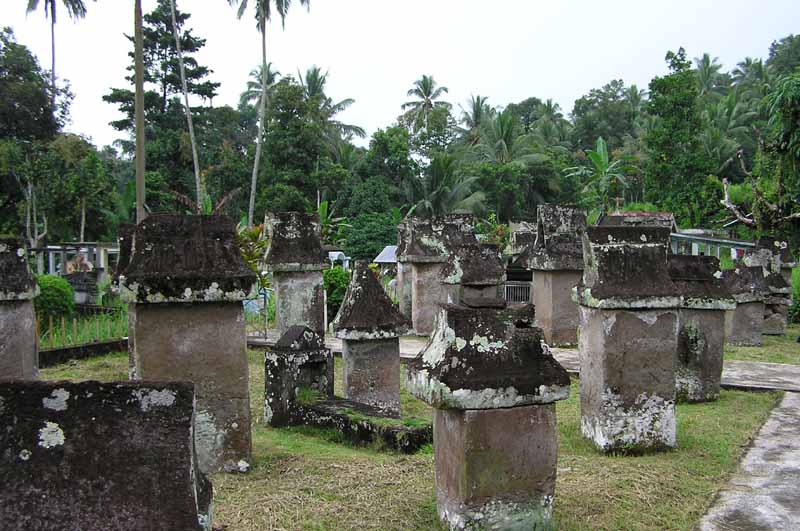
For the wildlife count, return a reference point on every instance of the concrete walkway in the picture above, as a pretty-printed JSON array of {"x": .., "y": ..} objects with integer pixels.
[
  {"x": 746, "y": 375},
  {"x": 765, "y": 491}
]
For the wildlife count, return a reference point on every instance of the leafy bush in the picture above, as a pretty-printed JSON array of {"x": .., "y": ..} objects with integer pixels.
[
  {"x": 56, "y": 297},
  {"x": 336, "y": 280},
  {"x": 370, "y": 233}
]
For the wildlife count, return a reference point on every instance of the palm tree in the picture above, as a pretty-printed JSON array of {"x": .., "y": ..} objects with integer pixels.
[
  {"x": 76, "y": 9},
  {"x": 707, "y": 74},
  {"x": 264, "y": 10},
  {"x": 550, "y": 111},
  {"x": 442, "y": 190},
  {"x": 474, "y": 116},
  {"x": 426, "y": 91},
  {"x": 635, "y": 98},
  {"x": 603, "y": 177},
  {"x": 254, "y": 85},
  {"x": 314, "y": 88},
  {"x": 500, "y": 142}
]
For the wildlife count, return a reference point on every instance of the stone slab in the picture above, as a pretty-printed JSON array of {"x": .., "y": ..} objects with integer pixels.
[
  {"x": 19, "y": 344},
  {"x": 765, "y": 492}
]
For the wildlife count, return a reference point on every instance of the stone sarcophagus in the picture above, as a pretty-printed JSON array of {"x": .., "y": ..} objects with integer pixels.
[
  {"x": 628, "y": 339},
  {"x": 701, "y": 326},
  {"x": 95, "y": 455},
  {"x": 370, "y": 326},
  {"x": 185, "y": 284},
  {"x": 296, "y": 260},
  {"x": 493, "y": 385},
  {"x": 19, "y": 342},
  {"x": 744, "y": 325},
  {"x": 476, "y": 271}
]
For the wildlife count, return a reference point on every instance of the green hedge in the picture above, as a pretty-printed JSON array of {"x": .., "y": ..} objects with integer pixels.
[{"x": 56, "y": 297}]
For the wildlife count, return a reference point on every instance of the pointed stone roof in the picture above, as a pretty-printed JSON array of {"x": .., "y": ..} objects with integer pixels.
[
  {"x": 486, "y": 358},
  {"x": 16, "y": 280},
  {"x": 367, "y": 312},
  {"x": 300, "y": 337}
]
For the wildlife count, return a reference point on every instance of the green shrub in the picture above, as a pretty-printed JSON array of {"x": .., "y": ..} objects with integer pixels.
[
  {"x": 55, "y": 298},
  {"x": 336, "y": 280}
]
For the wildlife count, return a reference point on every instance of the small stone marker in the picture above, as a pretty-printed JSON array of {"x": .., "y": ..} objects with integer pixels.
[
  {"x": 493, "y": 384},
  {"x": 19, "y": 342},
  {"x": 370, "y": 325},
  {"x": 426, "y": 245},
  {"x": 744, "y": 324},
  {"x": 298, "y": 360},
  {"x": 297, "y": 260},
  {"x": 185, "y": 284},
  {"x": 90, "y": 455},
  {"x": 556, "y": 258},
  {"x": 628, "y": 339},
  {"x": 701, "y": 326}
]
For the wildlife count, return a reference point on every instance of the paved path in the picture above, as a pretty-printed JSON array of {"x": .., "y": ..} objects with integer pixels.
[
  {"x": 735, "y": 374},
  {"x": 765, "y": 491}
]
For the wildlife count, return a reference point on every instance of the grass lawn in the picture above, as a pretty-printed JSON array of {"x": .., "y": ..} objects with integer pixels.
[
  {"x": 776, "y": 349},
  {"x": 301, "y": 480}
]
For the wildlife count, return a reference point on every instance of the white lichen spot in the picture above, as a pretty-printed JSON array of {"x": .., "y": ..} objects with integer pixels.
[
  {"x": 643, "y": 237},
  {"x": 51, "y": 435},
  {"x": 150, "y": 398},
  {"x": 460, "y": 343},
  {"x": 187, "y": 293},
  {"x": 57, "y": 401},
  {"x": 20, "y": 252},
  {"x": 25, "y": 455},
  {"x": 483, "y": 345}
]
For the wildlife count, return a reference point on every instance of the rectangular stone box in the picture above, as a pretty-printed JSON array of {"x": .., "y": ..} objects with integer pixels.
[
  {"x": 203, "y": 343},
  {"x": 100, "y": 456},
  {"x": 701, "y": 340},
  {"x": 19, "y": 343},
  {"x": 627, "y": 378},
  {"x": 299, "y": 300},
  {"x": 491, "y": 477},
  {"x": 372, "y": 373},
  {"x": 427, "y": 292},
  {"x": 556, "y": 313},
  {"x": 744, "y": 324}
]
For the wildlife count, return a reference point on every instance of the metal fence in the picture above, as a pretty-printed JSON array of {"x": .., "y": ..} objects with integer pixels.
[{"x": 518, "y": 292}]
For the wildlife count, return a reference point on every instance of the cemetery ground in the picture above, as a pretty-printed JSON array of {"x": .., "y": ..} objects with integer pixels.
[
  {"x": 775, "y": 349},
  {"x": 302, "y": 478}
]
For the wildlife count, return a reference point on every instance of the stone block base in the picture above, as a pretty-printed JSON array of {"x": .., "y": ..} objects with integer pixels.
[
  {"x": 701, "y": 341},
  {"x": 203, "y": 343},
  {"x": 299, "y": 300},
  {"x": 284, "y": 375},
  {"x": 775, "y": 319},
  {"x": 556, "y": 313},
  {"x": 745, "y": 324},
  {"x": 372, "y": 373},
  {"x": 496, "y": 468},
  {"x": 427, "y": 292},
  {"x": 627, "y": 371},
  {"x": 19, "y": 344}
]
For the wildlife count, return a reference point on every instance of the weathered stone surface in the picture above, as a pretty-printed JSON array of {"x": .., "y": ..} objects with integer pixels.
[
  {"x": 19, "y": 342},
  {"x": 427, "y": 293},
  {"x": 523, "y": 235},
  {"x": 91, "y": 455},
  {"x": 295, "y": 243},
  {"x": 640, "y": 219},
  {"x": 404, "y": 289},
  {"x": 298, "y": 360},
  {"x": 179, "y": 258},
  {"x": 371, "y": 373},
  {"x": 84, "y": 285},
  {"x": 367, "y": 312},
  {"x": 496, "y": 469},
  {"x": 205, "y": 344},
  {"x": 16, "y": 281},
  {"x": 627, "y": 371},
  {"x": 474, "y": 271},
  {"x": 556, "y": 312},
  {"x": 701, "y": 326},
  {"x": 299, "y": 300},
  {"x": 626, "y": 267},
  {"x": 743, "y": 325},
  {"x": 125, "y": 235},
  {"x": 432, "y": 240},
  {"x": 746, "y": 284},
  {"x": 485, "y": 358},
  {"x": 558, "y": 244}
]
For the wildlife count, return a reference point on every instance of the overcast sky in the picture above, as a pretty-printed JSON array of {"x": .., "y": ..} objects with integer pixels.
[{"x": 374, "y": 49}]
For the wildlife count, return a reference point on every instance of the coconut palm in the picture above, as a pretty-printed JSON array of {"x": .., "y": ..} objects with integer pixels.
[
  {"x": 635, "y": 98},
  {"x": 500, "y": 142},
  {"x": 254, "y": 84},
  {"x": 474, "y": 116},
  {"x": 550, "y": 111},
  {"x": 314, "y": 88},
  {"x": 138, "y": 54},
  {"x": 442, "y": 190},
  {"x": 75, "y": 9},
  {"x": 707, "y": 74},
  {"x": 264, "y": 10},
  {"x": 426, "y": 91}
]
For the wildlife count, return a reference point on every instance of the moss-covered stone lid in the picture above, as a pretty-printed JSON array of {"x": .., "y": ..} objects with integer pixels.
[
  {"x": 698, "y": 279},
  {"x": 186, "y": 258},
  {"x": 367, "y": 312},
  {"x": 475, "y": 265},
  {"x": 558, "y": 245},
  {"x": 626, "y": 267},
  {"x": 433, "y": 240},
  {"x": 639, "y": 219},
  {"x": 746, "y": 284},
  {"x": 486, "y": 358},
  {"x": 16, "y": 281},
  {"x": 295, "y": 243},
  {"x": 299, "y": 343}
]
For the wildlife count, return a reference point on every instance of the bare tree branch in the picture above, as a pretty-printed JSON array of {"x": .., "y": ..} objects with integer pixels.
[{"x": 726, "y": 202}]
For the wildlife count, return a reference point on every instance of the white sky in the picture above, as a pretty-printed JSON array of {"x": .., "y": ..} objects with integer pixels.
[{"x": 375, "y": 49}]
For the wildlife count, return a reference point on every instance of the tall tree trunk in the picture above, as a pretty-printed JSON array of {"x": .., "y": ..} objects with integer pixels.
[
  {"x": 262, "y": 108},
  {"x": 83, "y": 217},
  {"x": 53, "y": 56},
  {"x": 197, "y": 183},
  {"x": 138, "y": 53}
]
